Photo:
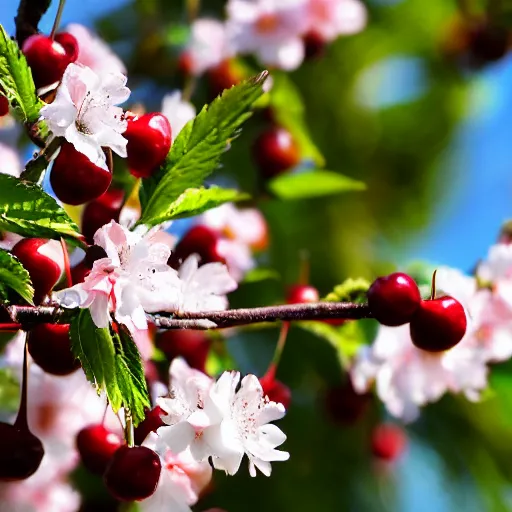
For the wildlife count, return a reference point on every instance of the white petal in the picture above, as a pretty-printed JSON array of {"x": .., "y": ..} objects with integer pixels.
[{"x": 177, "y": 437}]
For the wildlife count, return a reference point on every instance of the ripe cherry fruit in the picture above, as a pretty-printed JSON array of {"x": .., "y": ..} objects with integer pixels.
[
  {"x": 276, "y": 390},
  {"x": 302, "y": 294},
  {"x": 50, "y": 348},
  {"x": 149, "y": 142},
  {"x": 48, "y": 58},
  {"x": 151, "y": 423},
  {"x": 75, "y": 179},
  {"x": 275, "y": 152},
  {"x": 96, "y": 446},
  {"x": 101, "y": 211},
  {"x": 133, "y": 473},
  {"x": 438, "y": 324},
  {"x": 193, "y": 346},
  {"x": 394, "y": 299},
  {"x": 388, "y": 442},
  {"x": 43, "y": 260},
  {"x": 4, "y": 105}
]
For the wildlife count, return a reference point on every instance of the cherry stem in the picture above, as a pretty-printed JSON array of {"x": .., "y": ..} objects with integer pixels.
[
  {"x": 304, "y": 267},
  {"x": 128, "y": 429},
  {"x": 67, "y": 267},
  {"x": 21, "y": 419},
  {"x": 433, "y": 287},
  {"x": 281, "y": 342},
  {"x": 58, "y": 16}
]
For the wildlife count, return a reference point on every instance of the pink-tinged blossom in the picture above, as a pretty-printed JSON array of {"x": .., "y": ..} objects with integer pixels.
[
  {"x": 271, "y": 29},
  {"x": 181, "y": 481},
  {"x": 9, "y": 161},
  {"x": 93, "y": 52},
  {"x": 178, "y": 111},
  {"x": 84, "y": 112},
  {"x": 332, "y": 18},
  {"x": 133, "y": 279}
]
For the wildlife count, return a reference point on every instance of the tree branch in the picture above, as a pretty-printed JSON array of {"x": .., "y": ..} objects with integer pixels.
[
  {"x": 29, "y": 15},
  {"x": 31, "y": 315}
]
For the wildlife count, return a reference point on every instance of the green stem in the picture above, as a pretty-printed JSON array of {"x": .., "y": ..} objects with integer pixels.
[
  {"x": 433, "y": 288},
  {"x": 281, "y": 342},
  {"x": 58, "y": 16},
  {"x": 128, "y": 429}
]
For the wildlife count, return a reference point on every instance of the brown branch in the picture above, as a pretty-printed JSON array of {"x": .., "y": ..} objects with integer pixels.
[
  {"x": 29, "y": 15},
  {"x": 31, "y": 315}
]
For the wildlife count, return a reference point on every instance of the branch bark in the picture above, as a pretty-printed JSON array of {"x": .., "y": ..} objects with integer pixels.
[
  {"x": 29, "y": 15},
  {"x": 31, "y": 315}
]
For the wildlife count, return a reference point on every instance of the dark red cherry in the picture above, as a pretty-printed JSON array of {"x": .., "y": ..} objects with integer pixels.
[
  {"x": 38, "y": 256},
  {"x": 101, "y": 211},
  {"x": 276, "y": 390},
  {"x": 21, "y": 453},
  {"x": 438, "y": 324},
  {"x": 224, "y": 76},
  {"x": 388, "y": 442},
  {"x": 50, "y": 348},
  {"x": 193, "y": 346},
  {"x": 200, "y": 240},
  {"x": 4, "y": 105},
  {"x": 69, "y": 43},
  {"x": 488, "y": 42},
  {"x": 301, "y": 294},
  {"x": 80, "y": 272},
  {"x": 151, "y": 423},
  {"x": 344, "y": 405},
  {"x": 75, "y": 179},
  {"x": 96, "y": 446},
  {"x": 275, "y": 152},
  {"x": 47, "y": 58},
  {"x": 393, "y": 299},
  {"x": 94, "y": 253},
  {"x": 133, "y": 473},
  {"x": 149, "y": 142},
  {"x": 314, "y": 44}
]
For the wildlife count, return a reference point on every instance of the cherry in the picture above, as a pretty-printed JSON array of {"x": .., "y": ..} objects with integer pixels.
[
  {"x": 96, "y": 446},
  {"x": 314, "y": 44},
  {"x": 75, "y": 179},
  {"x": 438, "y": 324},
  {"x": 50, "y": 347},
  {"x": 488, "y": 43},
  {"x": 388, "y": 442},
  {"x": 69, "y": 43},
  {"x": 39, "y": 256},
  {"x": 48, "y": 58},
  {"x": 4, "y": 105},
  {"x": 193, "y": 346},
  {"x": 276, "y": 390},
  {"x": 344, "y": 405},
  {"x": 224, "y": 76},
  {"x": 94, "y": 253},
  {"x": 151, "y": 423},
  {"x": 80, "y": 272},
  {"x": 393, "y": 299},
  {"x": 200, "y": 240},
  {"x": 101, "y": 211},
  {"x": 275, "y": 152},
  {"x": 133, "y": 473},
  {"x": 301, "y": 294},
  {"x": 149, "y": 142}
]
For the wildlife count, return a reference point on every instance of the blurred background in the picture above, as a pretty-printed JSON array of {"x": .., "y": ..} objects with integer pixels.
[{"x": 419, "y": 111}]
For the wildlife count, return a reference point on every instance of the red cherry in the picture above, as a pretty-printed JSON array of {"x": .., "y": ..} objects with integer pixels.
[
  {"x": 80, "y": 272},
  {"x": 394, "y": 299},
  {"x": 36, "y": 256},
  {"x": 438, "y": 324},
  {"x": 50, "y": 348},
  {"x": 133, "y": 473},
  {"x": 149, "y": 142},
  {"x": 224, "y": 76},
  {"x": 21, "y": 453},
  {"x": 69, "y": 43},
  {"x": 96, "y": 445},
  {"x": 301, "y": 294},
  {"x": 4, "y": 105},
  {"x": 47, "y": 58},
  {"x": 75, "y": 179},
  {"x": 344, "y": 405},
  {"x": 487, "y": 42},
  {"x": 193, "y": 346},
  {"x": 388, "y": 442},
  {"x": 314, "y": 44},
  {"x": 101, "y": 211},
  {"x": 151, "y": 423},
  {"x": 200, "y": 240},
  {"x": 275, "y": 152},
  {"x": 276, "y": 390}
]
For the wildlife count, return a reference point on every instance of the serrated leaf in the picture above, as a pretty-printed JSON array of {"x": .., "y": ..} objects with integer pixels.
[
  {"x": 130, "y": 375},
  {"x": 94, "y": 347},
  {"x": 302, "y": 185},
  {"x": 16, "y": 80},
  {"x": 15, "y": 277},
  {"x": 29, "y": 211},
  {"x": 192, "y": 201},
  {"x": 288, "y": 111},
  {"x": 351, "y": 290},
  {"x": 197, "y": 150},
  {"x": 260, "y": 274}
]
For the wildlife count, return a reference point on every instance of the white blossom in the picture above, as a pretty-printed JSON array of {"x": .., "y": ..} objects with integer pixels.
[
  {"x": 178, "y": 111},
  {"x": 84, "y": 112}
]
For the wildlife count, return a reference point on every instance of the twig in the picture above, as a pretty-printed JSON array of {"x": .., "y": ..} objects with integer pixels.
[{"x": 29, "y": 15}]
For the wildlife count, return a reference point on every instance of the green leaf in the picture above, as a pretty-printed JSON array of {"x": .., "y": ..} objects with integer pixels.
[
  {"x": 197, "y": 150},
  {"x": 29, "y": 211},
  {"x": 301, "y": 185},
  {"x": 192, "y": 201},
  {"x": 16, "y": 80},
  {"x": 288, "y": 111},
  {"x": 261, "y": 274},
  {"x": 351, "y": 290},
  {"x": 130, "y": 375},
  {"x": 9, "y": 391},
  {"x": 94, "y": 348},
  {"x": 15, "y": 277}
]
